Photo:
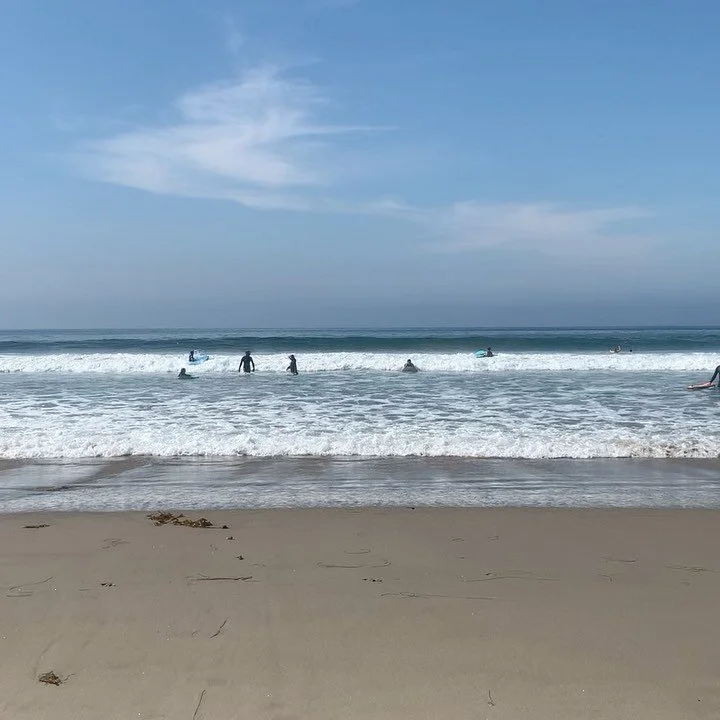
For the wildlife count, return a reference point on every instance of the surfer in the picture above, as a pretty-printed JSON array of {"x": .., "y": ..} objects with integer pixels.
[
  {"x": 709, "y": 384},
  {"x": 191, "y": 356},
  {"x": 616, "y": 349},
  {"x": 246, "y": 363},
  {"x": 408, "y": 367},
  {"x": 489, "y": 352},
  {"x": 292, "y": 367},
  {"x": 182, "y": 375}
]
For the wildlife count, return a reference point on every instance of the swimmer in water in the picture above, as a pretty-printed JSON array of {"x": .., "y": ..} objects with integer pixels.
[
  {"x": 183, "y": 375},
  {"x": 292, "y": 367},
  {"x": 408, "y": 367}
]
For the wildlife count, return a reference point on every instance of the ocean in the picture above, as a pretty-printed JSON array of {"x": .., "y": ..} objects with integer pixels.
[{"x": 98, "y": 419}]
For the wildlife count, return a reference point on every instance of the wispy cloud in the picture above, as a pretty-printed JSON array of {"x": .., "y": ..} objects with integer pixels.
[
  {"x": 262, "y": 141},
  {"x": 253, "y": 139},
  {"x": 473, "y": 225}
]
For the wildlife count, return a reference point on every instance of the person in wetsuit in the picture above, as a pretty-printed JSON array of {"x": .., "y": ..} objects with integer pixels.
[
  {"x": 489, "y": 353},
  {"x": 716, "y": 374},
  {"x": 292, "y": 367},
  {"x": 247, "y": 364},
  {"x": 182, "y": 375},
  {"x": 409, "y": 367},
  {"x": 191, "y": 356}
]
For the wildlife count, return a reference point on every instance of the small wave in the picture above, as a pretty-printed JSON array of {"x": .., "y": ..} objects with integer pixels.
[
  {"x": 120, "y": 363},
  {"x": 169, "y": 442}
]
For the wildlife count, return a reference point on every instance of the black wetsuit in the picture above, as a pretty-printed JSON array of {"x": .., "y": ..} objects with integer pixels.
[
  {"x": 245, "y": 364},
  {"x": 716, "y": 374},
  {"x": 293, "y": 367}
]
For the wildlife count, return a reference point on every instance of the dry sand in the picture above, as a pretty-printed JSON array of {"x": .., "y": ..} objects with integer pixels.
[{"x": 363, "y": 614}]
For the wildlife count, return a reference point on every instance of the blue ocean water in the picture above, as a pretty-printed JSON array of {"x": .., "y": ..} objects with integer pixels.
[{"x": 556, "y": 393}]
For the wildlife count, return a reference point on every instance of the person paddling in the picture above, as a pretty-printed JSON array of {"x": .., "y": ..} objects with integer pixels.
[{"x": 409, "y": 367}]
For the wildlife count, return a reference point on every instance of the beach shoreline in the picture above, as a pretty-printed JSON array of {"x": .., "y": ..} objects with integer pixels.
[
  {"x": 145, "y": 483},
  {"x": 362, "y": 613}
]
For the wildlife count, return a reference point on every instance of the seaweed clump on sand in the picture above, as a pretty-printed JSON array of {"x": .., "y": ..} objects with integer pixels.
[
  {"x": 166, "y": 518},
  {"x": 50, "y": 678}
]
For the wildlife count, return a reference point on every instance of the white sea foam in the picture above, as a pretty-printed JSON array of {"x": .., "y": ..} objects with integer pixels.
[
  {"x": 358, "y": 404},
  {"x": 122, "y": 363}
]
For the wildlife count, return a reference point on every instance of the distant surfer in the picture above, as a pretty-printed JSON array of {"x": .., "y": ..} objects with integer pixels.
[
  {"x": 408, "y": 367},
  {"x": 292, "y": 367},
  {"x": 191, "y": 356},
  {"x": 183, "y": 375},
  {"x": 247, "y": 364},
  {"x": 616, "y": 349},
  {"x": 489, "y": 353}
]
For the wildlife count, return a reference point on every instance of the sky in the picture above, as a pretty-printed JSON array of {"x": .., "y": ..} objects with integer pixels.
[{"x": 302, "y": 163}]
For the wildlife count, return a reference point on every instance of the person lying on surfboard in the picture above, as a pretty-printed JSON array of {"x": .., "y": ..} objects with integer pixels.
[
  {"x": 183, "y": 375},
  {"x": 710, "y": 383}
]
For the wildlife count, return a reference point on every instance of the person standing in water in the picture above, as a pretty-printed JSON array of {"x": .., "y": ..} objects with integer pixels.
[
  {"x": 191, "y": 356},
  {"x": 489, "y": 352},
  {"x": 292, "y": 367},
  {"x": 246, "y": 363}
]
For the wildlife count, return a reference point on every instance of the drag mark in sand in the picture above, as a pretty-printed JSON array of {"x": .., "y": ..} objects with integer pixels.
[
  {"x": 197, "y": 707},
  {"x": 382, "y": 564},
  {"x": 420, "y": 596},
  {"x": 24, "y": 593},
  {"x": 521, "y": 576},
  {"x": 220, "y": 629},
  {"x": 691, "y": 568},
  {"x": 620, "y": 560},
  {"x": 113, "y": 542},
  {"x": 205, "y": 578}
]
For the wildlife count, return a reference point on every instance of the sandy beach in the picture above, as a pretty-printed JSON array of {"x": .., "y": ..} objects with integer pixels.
[{"x": 362, "y": 614}]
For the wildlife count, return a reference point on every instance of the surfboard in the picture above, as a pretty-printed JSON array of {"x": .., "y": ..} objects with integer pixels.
[
  {"x": 199, "y": 359},
  {"x": 701, "y": 386},
  {"x": 480, "y": 353}
]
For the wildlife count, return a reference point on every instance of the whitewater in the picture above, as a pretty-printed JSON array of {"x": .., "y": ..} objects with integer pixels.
[
  {"x": 556, "y": 393},
  {"x": 383, "y": 362}
]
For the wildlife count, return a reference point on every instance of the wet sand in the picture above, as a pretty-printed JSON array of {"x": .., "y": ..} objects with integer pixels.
[{"x": 373, "y": 614}]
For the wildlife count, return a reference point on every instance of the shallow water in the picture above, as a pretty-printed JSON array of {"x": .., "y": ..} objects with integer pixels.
[{"x": 547, "y": 394}]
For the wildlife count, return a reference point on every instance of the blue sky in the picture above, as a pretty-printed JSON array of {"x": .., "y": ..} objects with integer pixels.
[{"x": 367, "y": 162}]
